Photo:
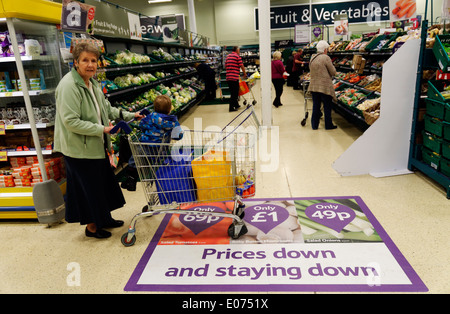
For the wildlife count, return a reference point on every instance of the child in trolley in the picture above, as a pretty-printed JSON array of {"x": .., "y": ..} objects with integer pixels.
[{"x": 157, "y": 127}]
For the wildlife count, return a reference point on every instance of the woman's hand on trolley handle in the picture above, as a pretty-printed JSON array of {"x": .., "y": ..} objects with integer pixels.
[
  {"x": 107, "y": 129},
  {"x": 137, "y": 116}
]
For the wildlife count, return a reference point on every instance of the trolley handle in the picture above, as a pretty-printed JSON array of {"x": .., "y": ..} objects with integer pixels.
[{"x": 125, "y": 125}]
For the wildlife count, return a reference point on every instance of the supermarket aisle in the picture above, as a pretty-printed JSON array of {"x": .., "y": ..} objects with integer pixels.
[{"x": 413, "y": 210}]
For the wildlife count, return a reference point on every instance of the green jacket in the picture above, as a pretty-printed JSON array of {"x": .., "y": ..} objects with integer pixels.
[{"x": 77, "y": 131}]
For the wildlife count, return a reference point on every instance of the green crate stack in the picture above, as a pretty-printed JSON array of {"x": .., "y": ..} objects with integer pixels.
[{"x": 436, "y": 134}]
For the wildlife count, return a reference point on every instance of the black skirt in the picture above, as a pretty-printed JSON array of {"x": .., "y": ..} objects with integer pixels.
[{"x": 92, "y": 191}]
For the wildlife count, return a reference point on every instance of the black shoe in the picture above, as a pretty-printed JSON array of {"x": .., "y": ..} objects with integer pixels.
[
  {"x": 99, "y": 234},
  {"x": 114, "y": 224},
  {"x": 131, "y": 186},
  {"x": 331, "y": 128}
]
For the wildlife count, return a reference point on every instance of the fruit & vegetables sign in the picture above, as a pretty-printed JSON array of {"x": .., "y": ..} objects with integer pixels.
[{"x": 287, "y": 16}]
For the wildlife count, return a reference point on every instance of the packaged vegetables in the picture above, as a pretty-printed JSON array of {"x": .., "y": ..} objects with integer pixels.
[
  {"x": 128, "y": 57},
  {"x": 350, "y": 96}
]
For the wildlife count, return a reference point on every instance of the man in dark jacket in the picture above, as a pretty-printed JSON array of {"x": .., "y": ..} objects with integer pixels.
[{"x": 208, "y": 75}]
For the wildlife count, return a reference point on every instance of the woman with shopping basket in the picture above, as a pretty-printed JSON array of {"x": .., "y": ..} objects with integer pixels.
[{"x": 82, "y": 135}]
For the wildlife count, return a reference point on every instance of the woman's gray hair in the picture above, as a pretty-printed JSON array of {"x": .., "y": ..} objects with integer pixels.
[
  {"x": 85, "y": 47},
  {"x": 322, "y": 46},
  {"x": 277, "y": 55}
]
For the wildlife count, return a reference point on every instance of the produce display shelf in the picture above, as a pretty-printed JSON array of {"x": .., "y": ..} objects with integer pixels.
[
  {"x": 182, "y": 110},
  {"x": 31, "y": 93},
  {"x": 145, "y": 86},
  {"x": 30, "y": 152},
  {"x": 441, "y": 54},
  {"x": 27, "y": 126},
  {"x": 147, "y": 66},
  {"x": 351, "y": 116}
]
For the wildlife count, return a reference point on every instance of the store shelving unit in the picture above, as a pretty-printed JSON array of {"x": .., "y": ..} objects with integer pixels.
[
  {"x": 37, "y": 20},
  {"x": 429, "y": 164},
  {"x": 146, "y": 47}
]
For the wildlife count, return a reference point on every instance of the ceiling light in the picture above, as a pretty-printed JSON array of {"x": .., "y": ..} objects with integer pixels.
[{"x": 157, "y": 1}]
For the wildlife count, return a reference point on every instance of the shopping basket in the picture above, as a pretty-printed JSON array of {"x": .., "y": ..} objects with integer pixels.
[
  {"x": 249, "y": 83},
  {"x": 202, "y": 167}
]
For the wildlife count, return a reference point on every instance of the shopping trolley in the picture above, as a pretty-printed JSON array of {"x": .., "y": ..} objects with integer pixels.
[
  {"x": 202, "y": 167},
  {"x": 305, "y": 84},
  {"x": 250, "y": 82}
]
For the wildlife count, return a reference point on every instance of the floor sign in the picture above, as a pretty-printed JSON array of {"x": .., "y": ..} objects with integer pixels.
[{"x": 295, "y": 244}]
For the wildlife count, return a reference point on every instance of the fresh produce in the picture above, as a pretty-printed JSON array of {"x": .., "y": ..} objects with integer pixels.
[
  {"x": 377, "y": 65},
  {"x": 369, "y": 104},
  {"x": 352, "y": 44},
  {"x": 356, "y": 79},
  {"x": 349, "y": 96},
  {"x": 128, "y": 57},
  {"x": 374, "y": 86},
  {"x": 159, "y": 53},
  {"x": 410, "y": 35},
  {"x": 446, "y": 92},
  {"x": 367, "y": 80}
]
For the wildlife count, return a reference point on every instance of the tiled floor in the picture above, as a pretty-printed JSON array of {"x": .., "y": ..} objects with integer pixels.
[{"x": 412, "y": 209}]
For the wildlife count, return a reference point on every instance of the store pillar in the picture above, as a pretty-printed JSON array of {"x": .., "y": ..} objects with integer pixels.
[
  {"x": 192, "y": 21},
  {"x": 265, "y": 59}
]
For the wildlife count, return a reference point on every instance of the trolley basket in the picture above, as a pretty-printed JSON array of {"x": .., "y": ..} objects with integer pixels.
[{"x": 202, "y": 167}]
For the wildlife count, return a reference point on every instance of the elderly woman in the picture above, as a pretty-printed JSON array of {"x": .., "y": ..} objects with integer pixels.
[
  {"x": 321, "y": 85},
  {"x": 277, "y": 77},
  {"x": 82, "y": 135}
]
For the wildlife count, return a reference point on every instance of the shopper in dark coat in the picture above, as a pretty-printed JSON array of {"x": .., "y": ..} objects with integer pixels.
[
  {"x": 289, "y": 65},
  {"x": 208, "y": 75},
  {"x": 82, "y": 128}
]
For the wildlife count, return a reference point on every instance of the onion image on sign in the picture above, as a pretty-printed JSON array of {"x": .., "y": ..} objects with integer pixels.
[{"x": 334, "y": 220}]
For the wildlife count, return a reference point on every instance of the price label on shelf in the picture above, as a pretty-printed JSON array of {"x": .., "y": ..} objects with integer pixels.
[
  {"x": 2, "y": 129},
  {"x": 3, "y": 156}
]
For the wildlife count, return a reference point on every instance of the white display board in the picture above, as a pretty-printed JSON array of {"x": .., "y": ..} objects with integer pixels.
[{"x": 383, "y": 150}]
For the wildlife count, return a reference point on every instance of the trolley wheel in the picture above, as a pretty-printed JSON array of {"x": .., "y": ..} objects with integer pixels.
[
  {"x": 126, "y": 243},
  {"x": 231, "y": 231},
  {"x": 245, "y": 102},
  {"x": 145, "y": 209},
  {"x": 303, "y": 123},
  {"x": 254, "y": 102}
]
